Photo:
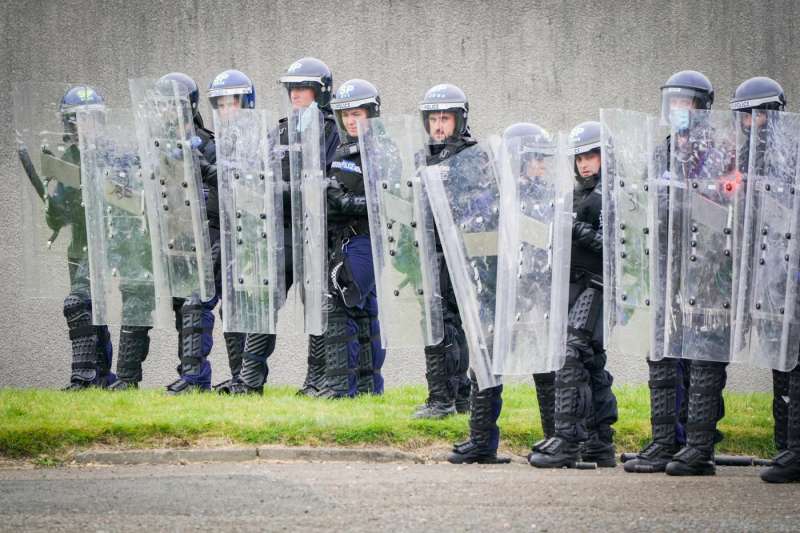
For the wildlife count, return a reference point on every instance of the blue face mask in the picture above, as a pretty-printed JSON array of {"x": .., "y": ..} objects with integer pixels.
[{"x": 679, "y": 119}]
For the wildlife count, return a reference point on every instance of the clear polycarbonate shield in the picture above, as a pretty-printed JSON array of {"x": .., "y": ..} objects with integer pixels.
[
  {"x": 403, "y": 233},
  {"x": 658, "y": 179},
  {"x": 53, "y": 246},
  {"x": 701, "y": 240},
  {"x": 464, "y": 195},
  {"x": 175, "y": 198},
  {"x": 767, "y": 325},
  {"x": 251, "y": 221},
  {"x": 120, "y": 249},
  {"x": 308, "y": 185},
  {"x": 627, "y": 231},
  {"x": 535, "y": 235}
]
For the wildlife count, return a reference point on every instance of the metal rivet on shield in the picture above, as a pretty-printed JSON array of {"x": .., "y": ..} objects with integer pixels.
[
  {"x": 727, "y": 253},
  {"x": 396, "y": 292},
  {"x": 764, "y": 231},
  {"x": 413, "y": 224},
  {"x": 647, "y": 251},
  {"x": 384, "y": 185},
  {"x": 265, "y": 281},
  {"x": 781, "y": 310},
  {"x": 788, "y": 236},
  {"x": 194, "y": 248},
  {"x": 162, "y": 181},
  {"x": 239, "y": 241},
  {"x": 262, "y": 216},
  {"x": 791, "y": 190},
  {"x": 646, "y": 231},
  {"x": 761, "y": 261},
  {"x": 419, "y": 292},
  {"x": 164, "y": 194},
  {"x": 390, "y": 238},
  {"x": 623, "y": 255},
  {"x": 388, "y": 225},
  {"x": 645, "y": 187},
  {"x": 621, "y": 183},
  {"x": 624, "y": 297},
  {"x": 694, "y": 228},
  {"x": 179, "y": 145},
  {"x": 238, "y": 228},
  {"x": 763, "y": 246},
  {"x": 261, "y": 176},
  {"x": 408, "y": 183},
  {"x": 622, "y": 240},
  {"x": 166, "y": 207},
  {"x": 238, "y": 214},
  {"x": 767, "y": 187},
  {"x": 391, "y": 252},
  {"x": 694, "y": 185},
  {"x": 187, "y": 202},
  {"x": 729, "y": 187},
  {"x": 692, "y": 258},
  {"x": 184, "y": 184},
  {"x": 726, "y": 231},
  {"x": 691, "y": 301},
  {"x": 241, "y": 281},
  {"x": 263, "y": 234},
  {"x": 647, "y": 301},
  {"x": 236, "y": 175},
  {"x": 416, "y": 244},
  {"x": 693, "y": 244},
  {"x": 786, "y": 257},
  {"x": 758, "y": 305},
  {"x": 170, "y": 245},
  {"x": 726, "y": 305},
  {"x": 156, "y": 143}
]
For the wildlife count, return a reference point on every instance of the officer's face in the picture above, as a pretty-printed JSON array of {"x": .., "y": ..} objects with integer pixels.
[
  {"x": 747, "y": 119},
  {"x": 227, "y": 106},
  {"x": 351, "y": 118},
  {"x": 441, "y": 125},
  {"x": 588, "y": 164},
  {"x": 535, "y": 168},
  {"x": 681, "y": 102},
  {"x": 301, "y": 97}
]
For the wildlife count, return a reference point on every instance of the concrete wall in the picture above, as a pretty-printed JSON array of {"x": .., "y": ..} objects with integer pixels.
[{"x": 550, "y": 62}]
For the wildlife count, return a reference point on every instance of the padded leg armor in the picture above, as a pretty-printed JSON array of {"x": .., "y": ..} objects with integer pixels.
[
  {"x": 546, "y": 396},
  {"x": 134, "y": 345},
  {"x": 315, "y": 376},
  {"x": 706, "y": 382},
  {"x": 104, "y": 354},
  {"x": 484, "y": 434},
  {"x": 780, "y": 408},
  {"x": 363, "y": 382},
  {"x": 664, "y": 386},
  {"x": 786, "y": 465},
  {"x": 83, "y": 336},
  {"x": 197, "y": 321},
  {"x": 573, "y": 392},
  {"x": 234, "y": 345},
  {"x": 460, "y": 381},
  {"x": 341, "y": 353},
  {"x": 257, "y": 349}
]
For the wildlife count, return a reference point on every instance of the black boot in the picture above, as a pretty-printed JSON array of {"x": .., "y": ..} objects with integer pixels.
[
  {"x": 484, "y": 435},
  {"x": 663, "y": 419},
  {"x": 440, "y": 402},
  {"x": 364, "y": 379},
  {"x": 786, "y": 465},
  {"x": 599, "y": 448},
  {"x": 315, "y": 376},
  {"x": 706, "y": 382},
  {"x": 462, "y": 387},
  {"x": 234, "y": 345},
  {"x": 573, "y": 400},
  {"x": 780, "y": 408},
  {"x": 83, "y": 336},
  {"x": 194, "y": 369},
  {"x": 134, "y": 345}
]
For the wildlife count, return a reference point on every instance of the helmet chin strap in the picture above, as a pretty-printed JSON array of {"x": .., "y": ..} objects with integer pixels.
[{"x": 589, "y": 181}]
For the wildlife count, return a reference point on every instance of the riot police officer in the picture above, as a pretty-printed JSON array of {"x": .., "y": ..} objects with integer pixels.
[
  {"x": 308, "y": 82},
  {"x": 585, "y": 406}
]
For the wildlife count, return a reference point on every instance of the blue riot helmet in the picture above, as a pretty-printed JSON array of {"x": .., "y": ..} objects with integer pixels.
[
  {"x": 189, "y": 89},
  {"x": 758, "y": 93},
  {"x": 313, "y": 73},
  {"x": 529, "y": 144},
  {"x": 684, "y": 90},
  {"x": 584, "y": 139},
  {"x": 446, "y": 97},
  {"x": 77, "y": 97},
  {"x": 232, "y": 83},
  {"x": 354, "y": 94}
]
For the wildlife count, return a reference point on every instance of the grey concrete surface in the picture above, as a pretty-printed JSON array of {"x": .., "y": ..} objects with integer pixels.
[
  {"x": 548, "y": 61},
  {"x": 365, "y": 497}
]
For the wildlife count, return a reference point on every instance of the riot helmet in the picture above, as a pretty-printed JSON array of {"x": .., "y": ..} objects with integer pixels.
[
  {"x": 352, "y": 95},
  {"x": 683, "y": 91},
  {"x": 77, "y": 97},
  {"x": 445, "y": 99},
  {"x": 584, "y": 141},
  {"x": 232, "y": 88},
  {"x": 312, "y": 73},
  {"x": 529, "y": 144}
]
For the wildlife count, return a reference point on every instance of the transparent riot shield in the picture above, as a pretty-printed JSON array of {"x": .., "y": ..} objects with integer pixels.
[
  {"x": 464, "y": 196},
  {"x": 767, "y": 326},
  {"x": 701, "y": 240},
  {"x": 658, "y": 181},
  {"x": 627, "y": 230},
  {"x": 175, "y": 196},
  {"x": 403, "y": 234},
  {"x": 119, "y": 244},
  {"x": 308, "y": 185},
  {"x": 535, "y": 235},
  {"x": 251, "y": 221},
  {"x": 54, "y": 249}
]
